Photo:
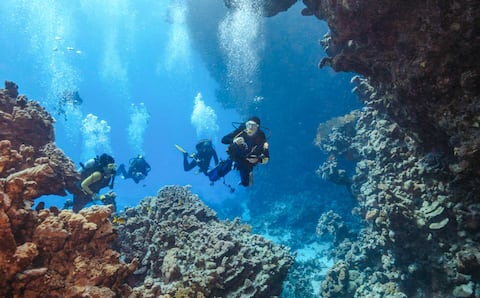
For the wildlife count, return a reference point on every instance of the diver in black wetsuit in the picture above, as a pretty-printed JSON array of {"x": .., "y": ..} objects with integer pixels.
[
  {"x": 138, "y": 169},
  {"x": 202, "y": 158},
  {"x": 247, "y": 146}
]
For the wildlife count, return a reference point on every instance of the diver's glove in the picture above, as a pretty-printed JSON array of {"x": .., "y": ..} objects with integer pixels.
[{"x": 240, "y": 143}]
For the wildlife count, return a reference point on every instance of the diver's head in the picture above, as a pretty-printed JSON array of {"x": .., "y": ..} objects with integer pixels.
[
  {"x": 110, "y": 168},
  {"x": 252, "y": 125},
  {"x": 204, "y": 146}
]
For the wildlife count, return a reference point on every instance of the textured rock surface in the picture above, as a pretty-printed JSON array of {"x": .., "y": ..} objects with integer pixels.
[
  {"x": 416, "y": 145},
  {"x": 48, "y": 253},
  {"x": 185, "y": 251},
  {"x": 419, "y": 238},
  {"x": 422, "y": 56}
]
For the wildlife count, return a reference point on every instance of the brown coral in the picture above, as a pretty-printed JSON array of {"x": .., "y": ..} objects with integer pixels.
[{"x": 47, "y": 253}]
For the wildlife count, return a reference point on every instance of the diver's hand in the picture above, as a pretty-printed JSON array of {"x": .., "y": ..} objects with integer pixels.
[{"x": 239, "y": 141}]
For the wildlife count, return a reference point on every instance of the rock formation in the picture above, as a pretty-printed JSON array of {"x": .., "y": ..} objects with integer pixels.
[
  {"x": 185, "y": 251},
  {"x": 420, "y": 223},
  {"x": 422, "y": 57},
  {"x": 268, "y": 8},
  {"x": 48, "y": 253}
]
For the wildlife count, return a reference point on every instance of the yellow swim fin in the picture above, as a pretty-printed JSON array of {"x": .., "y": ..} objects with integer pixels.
[{"x": 180, "y": 149}]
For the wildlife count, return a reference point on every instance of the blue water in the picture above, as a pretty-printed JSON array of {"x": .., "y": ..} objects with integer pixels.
[{"x": 160, "y": 54}]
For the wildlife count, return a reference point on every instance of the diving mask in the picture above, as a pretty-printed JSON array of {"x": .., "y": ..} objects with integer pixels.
[{"x": 252, "y": 127}]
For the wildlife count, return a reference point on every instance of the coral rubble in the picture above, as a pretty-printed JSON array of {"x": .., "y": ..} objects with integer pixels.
[{"x": 185, "y": 251}]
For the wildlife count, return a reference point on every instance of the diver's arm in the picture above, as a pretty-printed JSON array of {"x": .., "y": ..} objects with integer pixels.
[
  {"x": 265, "y": 156},
  {"x": 96, "y": 176},
  {"x": 228, "y": 139},
  {"x": 187, "y": 166}
]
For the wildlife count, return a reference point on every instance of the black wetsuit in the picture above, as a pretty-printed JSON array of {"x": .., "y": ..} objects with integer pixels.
[
  {"x": 201, "y": 159},
  {"x": 138, "y": 166},
  {"x": 254, "y": 149}
]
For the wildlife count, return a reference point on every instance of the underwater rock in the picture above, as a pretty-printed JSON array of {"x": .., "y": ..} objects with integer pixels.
[
  {"x": 185, "y": 251},
  {"x": 331, "y": 224},
  {"x": 45, "y": 252},
  {"x": 418, "y": 213},
  {"x": 422, "y": 57}
]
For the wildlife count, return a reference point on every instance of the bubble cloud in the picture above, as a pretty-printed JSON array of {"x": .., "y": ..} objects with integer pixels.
[
  {"x": 139, "y": 118},
  {"x": 96, "y": 137},
  {"x": 204, "y": 119}
]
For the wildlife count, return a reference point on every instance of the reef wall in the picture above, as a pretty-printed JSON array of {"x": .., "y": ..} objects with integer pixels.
[
  {"x": 422, "y": 56},
  {"x": 421, "y": 228},
  {"x": 415, "y": 145}
]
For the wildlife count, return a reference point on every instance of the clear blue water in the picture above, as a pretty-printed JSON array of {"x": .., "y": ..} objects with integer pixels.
[{"x": 163, "y": 53}]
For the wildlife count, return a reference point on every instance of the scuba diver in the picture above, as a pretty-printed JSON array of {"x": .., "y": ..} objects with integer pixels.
[
  {"x": 202, "y": 158},
  {"x": 138, "y": 169},
  {"x": 95, "y": 174},
  {"x": 247, "y": 146},
  {"x": 68, "y": 100}
]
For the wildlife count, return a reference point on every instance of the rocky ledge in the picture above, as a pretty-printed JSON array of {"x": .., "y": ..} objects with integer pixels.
[{"x": 185, "y": 251}]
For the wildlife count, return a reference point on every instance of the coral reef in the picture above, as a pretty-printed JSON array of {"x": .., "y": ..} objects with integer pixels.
[
  {"x": 421, "y": 56},
  {"x": 330, "y": 224},
  {"x": 416, "y": 144},
  {"x": 416, "y": 215},
  {"x": 185, "y": 251},
  {"x": 48, "y": 253}
]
